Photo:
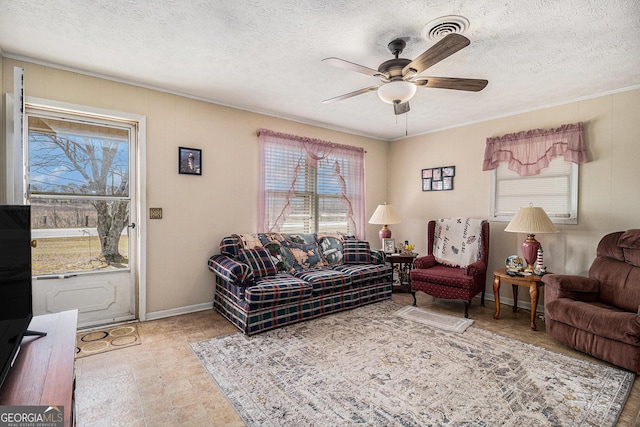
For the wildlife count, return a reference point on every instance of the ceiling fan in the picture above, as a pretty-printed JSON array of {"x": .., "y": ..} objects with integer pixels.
[{"x": 400, "y": 76}]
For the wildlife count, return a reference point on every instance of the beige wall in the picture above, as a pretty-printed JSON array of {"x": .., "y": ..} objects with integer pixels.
[
  {"x": 609, "y": 199},
  {"x": 198, "y": 210}
]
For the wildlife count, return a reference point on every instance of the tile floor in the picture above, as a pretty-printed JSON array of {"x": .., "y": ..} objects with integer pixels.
[{"x": 161, "y": 383}]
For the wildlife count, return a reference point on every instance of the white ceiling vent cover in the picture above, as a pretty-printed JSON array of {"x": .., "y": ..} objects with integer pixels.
[{"x": 440, "y": 27}]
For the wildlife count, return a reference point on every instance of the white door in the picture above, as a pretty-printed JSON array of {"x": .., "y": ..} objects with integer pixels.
[{"x": 80, "y": 182}]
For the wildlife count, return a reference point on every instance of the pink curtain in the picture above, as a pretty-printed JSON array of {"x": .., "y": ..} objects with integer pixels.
[
  {"x": 273, "y": 211},
  {"x": 529, "y": 152}
]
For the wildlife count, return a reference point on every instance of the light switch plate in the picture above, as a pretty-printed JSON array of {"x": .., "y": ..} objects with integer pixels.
[{"x": 155, "y": 213}]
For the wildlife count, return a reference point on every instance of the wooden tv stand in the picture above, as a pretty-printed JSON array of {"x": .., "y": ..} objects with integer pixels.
[{"x": 43, "y": 374}]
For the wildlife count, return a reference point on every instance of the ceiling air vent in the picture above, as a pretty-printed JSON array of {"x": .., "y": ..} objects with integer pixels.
[{"x": 440, "y": 27}]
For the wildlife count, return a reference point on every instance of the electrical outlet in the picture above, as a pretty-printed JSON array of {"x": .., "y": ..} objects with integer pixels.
[{"x": 155, "y": 213}]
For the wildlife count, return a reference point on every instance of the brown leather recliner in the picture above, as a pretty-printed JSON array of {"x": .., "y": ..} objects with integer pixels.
[{"x": 599, "y": 314}]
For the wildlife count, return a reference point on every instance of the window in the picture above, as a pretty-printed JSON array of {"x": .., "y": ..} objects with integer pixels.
[
  {"x": 555, "y": 189},
  {"x": 309, "y": 185},
  {"x": 538, "y": 167},
  {"x": 78, "y": 185}
]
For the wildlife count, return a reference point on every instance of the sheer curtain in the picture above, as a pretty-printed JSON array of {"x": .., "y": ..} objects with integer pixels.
[
  {"x": 284, "y": 160},
  {"x": 528, "y": 152}
]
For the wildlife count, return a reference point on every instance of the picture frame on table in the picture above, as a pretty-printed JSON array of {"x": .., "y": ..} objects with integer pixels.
[
  {"x": 389, "y": 245},
  {"x": 189, "y": 161}
]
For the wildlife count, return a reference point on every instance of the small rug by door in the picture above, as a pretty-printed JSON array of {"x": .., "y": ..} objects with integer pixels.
[
  {"x": 437, "y": 320},
  {"x": 103, "y": 340},
  {"x": 369, "y": 367}
]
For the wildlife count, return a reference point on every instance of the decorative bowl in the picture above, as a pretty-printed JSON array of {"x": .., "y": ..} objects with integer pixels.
[{"x": 514, "y": 262}]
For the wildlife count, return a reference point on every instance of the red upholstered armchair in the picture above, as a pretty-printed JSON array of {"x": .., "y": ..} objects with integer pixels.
[
  {"x": 600, "y": 314},
  {"x": 455, "y": 266}
]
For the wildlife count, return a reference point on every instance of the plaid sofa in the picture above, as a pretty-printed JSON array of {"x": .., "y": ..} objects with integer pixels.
[{"x": 268, "y": 280}]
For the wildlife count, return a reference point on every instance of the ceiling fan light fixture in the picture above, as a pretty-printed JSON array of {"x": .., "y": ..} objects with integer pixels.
[{"x": 396, "y": 92}]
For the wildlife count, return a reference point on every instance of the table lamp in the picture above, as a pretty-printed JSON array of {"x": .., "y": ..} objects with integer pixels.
[
  {"x": 531, "y": 220},
  {"x": 384, "y": 215}
]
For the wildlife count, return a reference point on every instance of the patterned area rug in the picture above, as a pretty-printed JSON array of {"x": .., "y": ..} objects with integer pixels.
[
  {"x": 369, "y": 367},
  {"x": 437, "y": 320},
  {"x": 103, "y": 340}
]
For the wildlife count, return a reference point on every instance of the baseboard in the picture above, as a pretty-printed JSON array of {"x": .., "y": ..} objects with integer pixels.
[
  {"x": 178, "y": 311},
  {"x": 509, "y": 301}
]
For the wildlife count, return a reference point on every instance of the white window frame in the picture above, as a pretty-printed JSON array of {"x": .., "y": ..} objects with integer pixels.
[{"x": 529, "y": 195}]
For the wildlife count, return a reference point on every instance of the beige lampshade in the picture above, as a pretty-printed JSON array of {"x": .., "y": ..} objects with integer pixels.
[
  {"x": 385, "y": 214},
  {"x": 531, "y": 220}
]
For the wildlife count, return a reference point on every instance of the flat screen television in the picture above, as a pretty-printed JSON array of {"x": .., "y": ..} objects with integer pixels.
[{"x": 15, "y": 282}]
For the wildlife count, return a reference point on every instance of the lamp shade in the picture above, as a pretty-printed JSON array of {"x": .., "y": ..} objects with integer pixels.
[
  {"x": 396, "y": 92},
  {"x": 531, "y": 220},
  {"x": 384, "y": 214}
]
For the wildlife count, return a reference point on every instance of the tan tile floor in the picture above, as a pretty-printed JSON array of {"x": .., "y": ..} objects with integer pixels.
[{"x": 161, "y": 383}]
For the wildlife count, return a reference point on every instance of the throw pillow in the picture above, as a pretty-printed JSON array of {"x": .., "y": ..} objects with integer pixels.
[
  {"x": 332, "y": 250},
  {"x": 305, "y": 256},
  {"x": 259, "y": 260},
  {"x": 357, "y": 252}
]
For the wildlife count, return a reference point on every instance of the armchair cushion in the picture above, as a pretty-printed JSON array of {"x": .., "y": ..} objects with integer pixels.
[{"x": 598, "y": 318}]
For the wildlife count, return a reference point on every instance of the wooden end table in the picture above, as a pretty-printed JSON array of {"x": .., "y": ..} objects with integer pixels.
[
  {"x": 532, "y": 282},
  {"x": 405, "y": 264}
]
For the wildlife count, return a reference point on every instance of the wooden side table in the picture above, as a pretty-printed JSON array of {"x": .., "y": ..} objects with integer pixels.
[
  {"x": 405, "y": 264},
  {"x": 532, "y": 281}
]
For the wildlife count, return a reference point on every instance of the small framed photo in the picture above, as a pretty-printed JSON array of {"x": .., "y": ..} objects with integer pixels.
[
  {"x": 437, "y": 186},
  {"x": 427, "y": 173},
  {"x": 437, "y": 174},
  {"x": 449, "y": 171},
  {"x": 447, "y": 183},
  {"x": 189, "y": 161},
  {"x": 389, "y": 245},
  {"x": 426, "y": 184}
]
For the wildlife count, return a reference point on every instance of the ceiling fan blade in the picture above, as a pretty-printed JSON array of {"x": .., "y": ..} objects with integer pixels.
[
  {"x": 350, "y": 94},
  {"x": 449, "y": 45},
  {"x": 471, "y": 85},
  {"x": 341, "y": 63},
  {"x": 401, "y": 108}
]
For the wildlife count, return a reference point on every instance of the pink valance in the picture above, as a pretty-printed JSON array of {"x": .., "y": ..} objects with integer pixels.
[{"x": 529, "y": 152}]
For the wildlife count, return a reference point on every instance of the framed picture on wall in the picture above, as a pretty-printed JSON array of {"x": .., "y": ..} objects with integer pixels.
[
  {"x": 189, "y": 161},
  {"x": 426, "y": 184}
]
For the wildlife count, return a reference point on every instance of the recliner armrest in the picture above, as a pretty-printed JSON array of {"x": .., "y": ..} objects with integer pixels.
[
  {"x": 426, "y": 261},
  {"x": 572, "y": 286}
]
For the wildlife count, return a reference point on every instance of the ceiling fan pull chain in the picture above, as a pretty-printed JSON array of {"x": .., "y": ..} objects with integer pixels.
[{"x": 406, "y": 124}]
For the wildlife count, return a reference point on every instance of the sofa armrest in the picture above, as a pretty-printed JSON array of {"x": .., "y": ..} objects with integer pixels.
[
  {"x": 231, "y": 270},
  {"x": 476, "y": 268},
  {"x": 426, "y": 261},
  {"x": 579, "y": 288},
  {"x": 378, "y": 256}
]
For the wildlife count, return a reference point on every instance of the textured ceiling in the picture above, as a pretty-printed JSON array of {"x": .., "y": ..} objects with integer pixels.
[{"x": 265, "y": 55}]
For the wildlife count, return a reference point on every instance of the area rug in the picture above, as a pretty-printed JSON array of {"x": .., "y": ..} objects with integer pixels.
[
  {"x": 103, "y": 340},
  {"x": 368, "y": 367},
  {"x": 437, "y": 320}
]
